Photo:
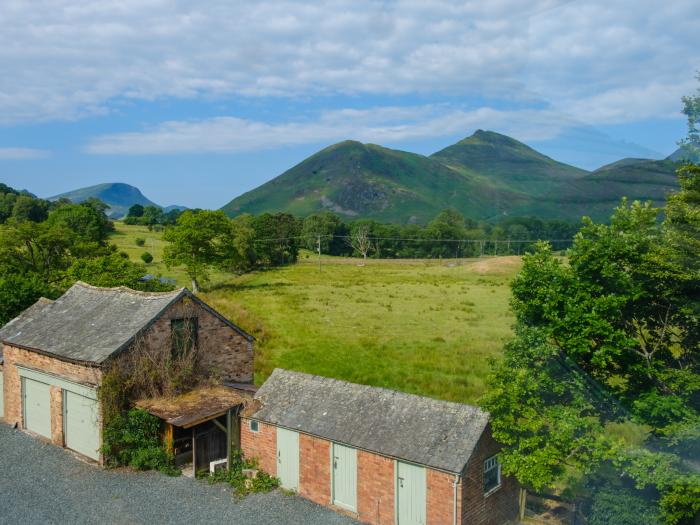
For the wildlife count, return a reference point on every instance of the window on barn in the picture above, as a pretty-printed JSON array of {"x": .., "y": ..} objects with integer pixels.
[
  {"x": 254, "y": 426},
  {"x": 183, "y": 333},
  {"x": 492, "y": 474}
]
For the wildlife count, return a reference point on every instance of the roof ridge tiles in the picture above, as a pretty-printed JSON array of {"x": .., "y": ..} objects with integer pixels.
[{"x": 131, "y": 291}]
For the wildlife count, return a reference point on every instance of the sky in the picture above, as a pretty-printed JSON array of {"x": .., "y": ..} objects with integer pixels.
[{"x": 198, "y": 102}]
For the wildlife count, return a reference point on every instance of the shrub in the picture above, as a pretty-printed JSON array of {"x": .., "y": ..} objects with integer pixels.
[
  {"x": 147, "y": 257},
  {"x": 134, "y": 440},
  {"x": 241, "y": 485},
  {"x": 140, "y": 241},
  {"x": 622, "y": 506}
]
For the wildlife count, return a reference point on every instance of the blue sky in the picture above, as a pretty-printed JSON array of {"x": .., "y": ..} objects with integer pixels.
[{"x": 198, "y": 103}]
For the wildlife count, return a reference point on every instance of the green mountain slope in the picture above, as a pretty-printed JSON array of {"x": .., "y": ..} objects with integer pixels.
[
  {"x": 118, "y": 196},
  {"x": 598, "y": 193},
  {"x": 369, "y": 181},
  {"x": 507, "y": 162},
  {"x": 484, "y": 176}
]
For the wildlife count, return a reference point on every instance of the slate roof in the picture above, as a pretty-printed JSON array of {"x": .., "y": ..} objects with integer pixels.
[
  {"x": 437, "y": 434},
  {"x": 17, "y": 324},
  {"x": 88, "y": 324}
]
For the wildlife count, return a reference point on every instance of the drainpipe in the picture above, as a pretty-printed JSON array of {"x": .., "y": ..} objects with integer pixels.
[{"x": 454, "y": 490}]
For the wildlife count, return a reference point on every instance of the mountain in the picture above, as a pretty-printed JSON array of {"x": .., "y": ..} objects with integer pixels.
[
  {"x": 484, "y": 176},
  {"x": 685, "y": 153},
  {"x": 507, "y": 162},
  {"x": 117, "y": 195},
  {"x": 599, "y": 192},
  {"x": 369, "y": 181}
]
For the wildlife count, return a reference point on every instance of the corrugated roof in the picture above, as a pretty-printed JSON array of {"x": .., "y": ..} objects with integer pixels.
[
  {"x": 438, "y": 434},
  {"x": 88, "y": 324}
]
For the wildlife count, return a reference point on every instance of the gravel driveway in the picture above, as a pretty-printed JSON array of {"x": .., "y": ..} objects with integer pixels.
[{"x": 40, "y": 483}]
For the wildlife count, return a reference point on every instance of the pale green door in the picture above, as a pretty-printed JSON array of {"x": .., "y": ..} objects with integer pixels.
[
  {"x": 2, "y": 395},
  {"x": 81, "y": 424},
  {"x": 410, "y": 494},
  {"x": 288, "y": 458},
  {"x": 344, "y": 477},
  {"x": 36, "y": 406}
]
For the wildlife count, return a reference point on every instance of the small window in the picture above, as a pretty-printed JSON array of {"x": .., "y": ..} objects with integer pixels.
[
  {"x": 254, "y": 426},
  {"x": 492, "y": 474},
  {"x": 183, "y": 333}
]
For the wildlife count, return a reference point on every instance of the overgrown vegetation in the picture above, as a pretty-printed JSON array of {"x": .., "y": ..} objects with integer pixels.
[
  {"x": 134, "y": 439},
  {"x": 239, "y": 481}
]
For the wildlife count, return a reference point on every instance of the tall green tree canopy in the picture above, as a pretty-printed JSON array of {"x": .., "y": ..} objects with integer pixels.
[{"x": 197, "y": 242}]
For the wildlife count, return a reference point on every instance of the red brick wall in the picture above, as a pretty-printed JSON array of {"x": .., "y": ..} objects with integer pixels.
[
  {"x": 500, "y": 506},
  {"x": 260, "y": 445},
  {"x": 440, "y": 497},
  {"x": 375, "y": 488},
  {"x": 13, "y": 389},
  {"x": 315, "y": 469}
]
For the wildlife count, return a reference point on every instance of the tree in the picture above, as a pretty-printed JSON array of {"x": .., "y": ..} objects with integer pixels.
[
  {"x": 359, "y": 240},
  {"x": 147, "y": 257},
  {"x": 135, "y": 211},
  {"x": 197, "y": 243},
  {"x": 28, "y": 208},
  {"x": 612, "y": 336}
]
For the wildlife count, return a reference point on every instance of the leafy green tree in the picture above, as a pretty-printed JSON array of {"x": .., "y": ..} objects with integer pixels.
[
  {"x": 331, "y": 231},
  {"x": 135, "y": 211},
  {"x": 147, "y": 257},
  {"x": 114, "y": 270},
  {"x": 610, "y": 336},
  {"x": 239, "y": 247},
  {"x": 18, "y": 292},
  {"x": 197, "y": 242},
  {"x": 277, "y": 238},
  {"x": 28, "y": 208}
]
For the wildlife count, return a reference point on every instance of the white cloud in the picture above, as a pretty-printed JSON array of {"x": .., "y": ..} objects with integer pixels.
[
  {"x": 602, "y": 61},
  {"x": 22, "y": 153},
  {"x": 380, "y": 125}
]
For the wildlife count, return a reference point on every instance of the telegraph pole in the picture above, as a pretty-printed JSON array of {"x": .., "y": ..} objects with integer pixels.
[{"x": 318, "y": 247}]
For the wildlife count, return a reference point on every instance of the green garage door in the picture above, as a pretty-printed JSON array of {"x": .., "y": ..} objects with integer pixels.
[
  {"x": 81, "y": 426},
  {"x": 36, "y": 405}
]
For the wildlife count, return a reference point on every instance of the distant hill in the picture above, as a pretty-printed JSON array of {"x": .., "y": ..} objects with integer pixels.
[
  {"x": 484, "y": 176},
  {"x": 117, "y": 195},
  {"x": 507, "y": 162},
  {"x": 684, "y": 154},
  {"x": 369, "y": 181},
  {"x": 599, "y": 192}
]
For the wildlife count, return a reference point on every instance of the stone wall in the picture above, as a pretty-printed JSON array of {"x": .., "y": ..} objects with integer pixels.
[
  {"x": 499, "y": 506},
  {"x": 222, "y": 350}
]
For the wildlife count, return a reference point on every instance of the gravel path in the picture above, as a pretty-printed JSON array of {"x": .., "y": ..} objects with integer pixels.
[{"x": 40, "y": 483}]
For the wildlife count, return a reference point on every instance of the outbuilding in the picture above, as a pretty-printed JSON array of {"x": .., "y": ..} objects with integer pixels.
[
  {"x": 54, "y": 355},
  {"x": 383, "y": 456}
]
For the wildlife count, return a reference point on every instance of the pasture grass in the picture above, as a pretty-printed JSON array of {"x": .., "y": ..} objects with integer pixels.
[{"x": 425, "y": 327}]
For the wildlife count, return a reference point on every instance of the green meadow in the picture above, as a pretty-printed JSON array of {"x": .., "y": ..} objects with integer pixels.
[{"x": 425, "y": 327}]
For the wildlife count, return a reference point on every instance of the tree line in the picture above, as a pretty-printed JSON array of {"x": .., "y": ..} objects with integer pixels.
[{"x": 45, "y": 247}]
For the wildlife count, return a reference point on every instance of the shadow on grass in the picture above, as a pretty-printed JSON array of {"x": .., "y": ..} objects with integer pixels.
[{"x": 239, "y": 287}]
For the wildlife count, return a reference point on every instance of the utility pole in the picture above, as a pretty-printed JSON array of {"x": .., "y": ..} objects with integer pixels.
[{"x": 318, "y": 247}]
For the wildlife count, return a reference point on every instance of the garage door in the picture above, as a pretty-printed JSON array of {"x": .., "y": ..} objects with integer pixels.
[
  {"x": 81, "y": 427},
  {"x": 36, "y": 403}
]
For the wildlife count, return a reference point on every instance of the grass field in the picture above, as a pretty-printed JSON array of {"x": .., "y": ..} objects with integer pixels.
[{"x": 425, "y": 327}]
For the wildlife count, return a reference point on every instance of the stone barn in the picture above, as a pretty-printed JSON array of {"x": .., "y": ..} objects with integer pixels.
[
  {"x": 54, "y": 355},
  {"x": 382, "y": 456}
]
